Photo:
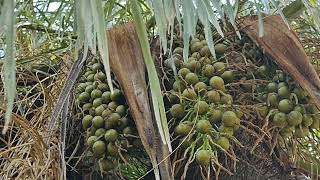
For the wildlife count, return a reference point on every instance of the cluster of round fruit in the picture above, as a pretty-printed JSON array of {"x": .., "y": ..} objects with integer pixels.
[
  {"x": 287, "y": 106},
  {"x": 201, "y": 111},
  {"x": 105, "y": 116}
]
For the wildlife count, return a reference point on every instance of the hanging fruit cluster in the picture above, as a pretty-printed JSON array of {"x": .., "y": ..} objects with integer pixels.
[
  {"x": 110, "y": 129},
  {"x": 286, "y": 105},
  {"x": 202, "y": 116}
]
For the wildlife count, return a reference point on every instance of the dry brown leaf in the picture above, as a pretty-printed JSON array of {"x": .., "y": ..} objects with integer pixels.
[{"x": 128, "y": 66}]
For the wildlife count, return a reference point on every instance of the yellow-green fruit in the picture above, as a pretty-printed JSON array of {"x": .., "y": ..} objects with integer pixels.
[
  {"x": 86, "y": 107},
  {"x": 194, "y": 40},
  {"x": 111, "y": 135},
  {"x": 127, "y": 131},
  {"x": 215, "y": 116},
  {"x": 87, "y": 121},
  {"x": 280, "y": 120},
  {"x": 301, "y": 94},
  {"x": 227, "y": 76},
  {"x": 112, "y": 105},
  {"x": 272, "y": 87},
  {"x": 116, "y": 95},
  {"x": 230, "y": 119},
  {"x": 284, "y": 92},
  {"x": 217, "y": 82},
  {"x": 193, "y": 65},
  {"x": 178, "y": 86},
  {"x": 226, "y": 130},
  {"x": 99, "y": 148},
  {"x": 191, "y": 78},
  {"x": 106, "y": 97},
  {"x": 282, "y": 84},
  {"x": 96, "y": 66},
  {"x": 100, "y": 132},
  {"x": 307, "y": 120},
  {"x": 220, "y": 48},
  {"x": 285, "y": 105},
  {"x": 196, "y": 47},
  {"x": 219, "y": 67},
  {"x": 300, "y": 109},
  {"x": 97, "y": 102},
  {"x": 223, "y": 142},
  {"x": 121, "y": 110},
  {"x": 97, "y": 122},
  {"x": 96, "y": 93},
  {"x": 177, "y": 111},
  {"x": 112, "y": 149},
  {"x": 190, "y": 94},
  {"x": 203, "y": 126},
  {"x": 263, "y": 70},
  {"x": 273, "y": 99},
  {"x": 203, "y": 157},
  {"x": 316, "y": 123},
  {"x": 90, "y": 78},
  {"x": 263, "y": 111},
  {"x": 183, "y": 128},
  {"x": 100, "y": 76},
  {"x": 226, "y": 99},
  {"x": 205, "y": 51},
  {"x": 196, "y": 55},
  {"x": 200, "y": 88},
  {"x": 89, "y": 88},
  {"x": 84, "y": 97},
  {"x": 294, "y": 118},
  {"x": 112, "y": 120},
  {"x": 178, "y": 50},
  {"x": 287, "y": 131},
  {"x": 201, "y": 107},
  {"x": 99, "y": 110},
  {"x": 208, "y": 70},
  {"x": 205, "y": 60},
  {"x": 103, "y": 87},
  {"x": 183, "y": 72},
  {"x": 301, "y": 132},
  {"x": 91, "y": 140},
  {"x": 213, "y": 96}
]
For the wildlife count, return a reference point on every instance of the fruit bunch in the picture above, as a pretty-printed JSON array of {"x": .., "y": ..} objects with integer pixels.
[
  {"x": 106, "y": 119},
  {"x": 201, "y": 115},
  {"x": 284, "y": 103},
  {"x": 287, "y": 105}
]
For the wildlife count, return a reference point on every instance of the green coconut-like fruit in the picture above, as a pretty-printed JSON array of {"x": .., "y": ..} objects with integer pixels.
[
  {"x": 116, "y": 95},
  {"x": 230, "y": 119},
  {"x": 272, "y": 87},
  {"x": 112, "y": 149},
  {"x": 226, "y": 99},
  {"x": 84, "y": 97},
  {"x": 183, "y": 72},
  {"x": 113, "y": 105},
  {"x": 203, "y": 126},
  {"x": 301, "y": 94},
  {"x": 190, "y": 94},
  {"x": 99, "y": 110},
  {"x": 263, "y": 70},
  {"x": 103, "y": 87},
  {"x": 127, "y": 131},
  {"x": 282, "y": 84},
  {"x": 97, "y": 122},
  {"x": 111, "y": 135},
  {"x": 196, "y": 55},
  {"x": 213, "y": 96},
  {"x": 284, "y": 92},
  {"x": 91, "y": 140},
  {"x": 196, "y": 47},
  {"x": 177, "y": 111},
  {"x": 96, "y": 67},
  {"x": 201, "y": 107},
  {"x": 99, "y": 148},
  {"x": 219, "y": 67},
  {"x": 100, "y": 76},
  {"x": 183, "y": 128},
  {"x": 121, "y": 110},
  {"x": 300, "y": 109},
  {"x": 280, "y": 119},
  {"x": 273, "y": 99},
  {"x": 223, "y": 142},
  {"x": 285, "y": 105},
  {"x": 86, "y": 107},
  {"x": 193, "y": 65},
  {"x": 191, "y": 78},
  {"x": 215, "y": 116},
  {"x": 106, "y": 97},
  {"x": 203, "y": 157},
  {"x": 287, "y": 131},
  {"x": 87, "y": 121},
  {"x": 204, "y": 51},
  {"x": 178, "y": 50},
  {"x": 263, "y": 111},
  {"x": 228, "y": 131},
  {"x": 100, "y": 132},
  {"x": 301, "y": 132},
  {"x": 97, "y": 102},
  {"x": 307, "y": 120},
  {"x": 217, "y": 82},
  {"x": 295, "y": 118},
  {"x": 220, "y": 48},
  {"x": 208, "y": 70},
  {"x": 200, "y": 88},
  {"x": 112, "y": 120},
  {"x": 227, "y": 76},
  {"x": 178, "y": 86}
]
